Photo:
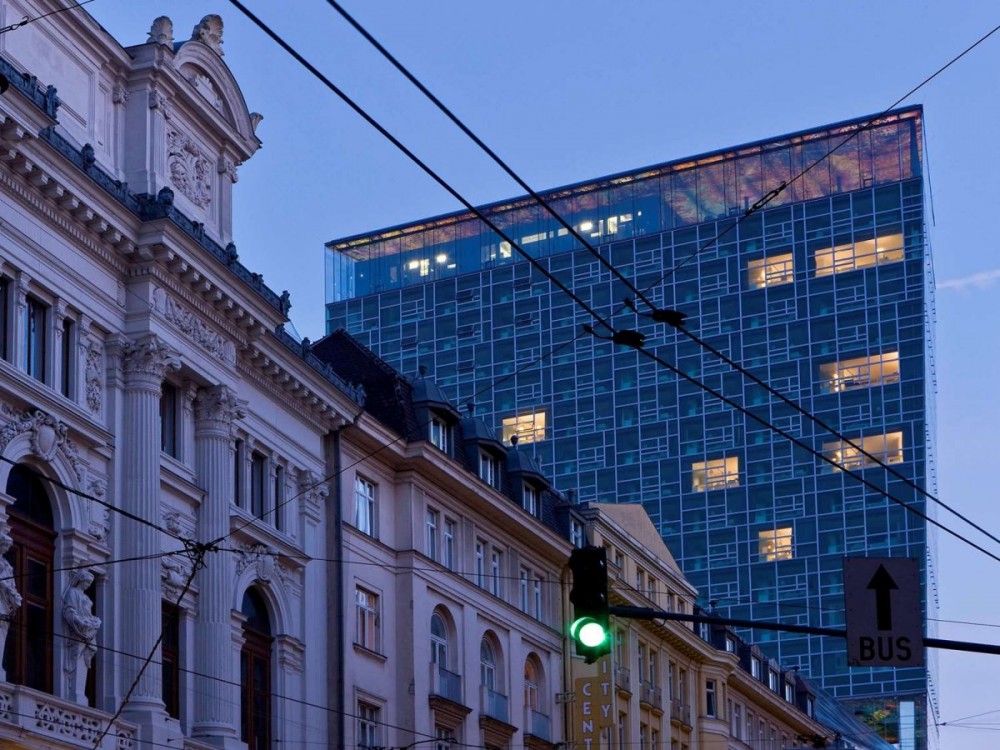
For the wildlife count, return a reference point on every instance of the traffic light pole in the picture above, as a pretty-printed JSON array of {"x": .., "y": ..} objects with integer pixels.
[{"x": 647, "y": 613}]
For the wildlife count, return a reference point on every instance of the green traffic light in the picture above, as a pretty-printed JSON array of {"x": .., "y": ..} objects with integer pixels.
[{"x": 589, "y": 632}]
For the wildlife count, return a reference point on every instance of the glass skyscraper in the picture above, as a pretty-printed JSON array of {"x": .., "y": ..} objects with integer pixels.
[{"x": 825, "y": 293}]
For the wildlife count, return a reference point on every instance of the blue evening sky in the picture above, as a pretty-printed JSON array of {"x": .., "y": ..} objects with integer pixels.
[{"x": 566, "y": 90}]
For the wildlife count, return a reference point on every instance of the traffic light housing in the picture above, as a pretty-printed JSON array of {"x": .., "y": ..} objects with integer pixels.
[{"x": 589, "y": 596}]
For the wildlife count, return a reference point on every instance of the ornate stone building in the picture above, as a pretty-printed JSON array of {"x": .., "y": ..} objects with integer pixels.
[
  {"x": 211, "y": 537},
  {"x": 162, "y": 441}
]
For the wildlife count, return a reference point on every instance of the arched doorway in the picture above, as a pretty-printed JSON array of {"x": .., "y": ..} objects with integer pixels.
[
  {"x": 255, "y": 673},
  {"x": 27, "y": 656}
]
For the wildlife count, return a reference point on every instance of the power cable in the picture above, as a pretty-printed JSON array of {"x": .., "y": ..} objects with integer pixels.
[
  {"x": 361, "y": 112},
  {"x": 110, "y": 506},
  {"x": 861, "y": 128},
  {"x": 197, "y": 554},
  {"x": 676, "y": 319},
  {"x": 809, "y": 449},
  {"x": 31, "y": 19},
  {"x": 489, "y": 152},
  {"x": 91, "y": 565}
]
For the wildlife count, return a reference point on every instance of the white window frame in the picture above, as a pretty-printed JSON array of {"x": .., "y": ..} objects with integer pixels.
[
  {"x": 366, "y": 506},
  {"x": 432, "y": 521},
  {"x": 368, "y": 608}
]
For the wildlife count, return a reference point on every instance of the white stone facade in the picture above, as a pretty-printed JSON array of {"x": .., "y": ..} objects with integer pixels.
[{"x": 140, "y": 372}]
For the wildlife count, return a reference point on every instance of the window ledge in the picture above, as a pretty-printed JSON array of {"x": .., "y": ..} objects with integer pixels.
[{"x": 364, "y": 651}]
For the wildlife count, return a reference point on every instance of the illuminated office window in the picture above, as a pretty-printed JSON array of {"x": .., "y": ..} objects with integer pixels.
[
  {"x": 529, "y": 428},
  {"x": 861, "y": 372},
  {"x": 887, "y": 449},
  {"x": 861, "y": 254},
  {"x": 770, "y": 271},
  {"x": 421, "y": 266},
  {"x": 715, "y": 474},
  {"x": 775, "y": 545}
]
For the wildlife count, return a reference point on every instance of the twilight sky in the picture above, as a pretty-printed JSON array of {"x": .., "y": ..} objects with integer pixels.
[{"x": 566, "y": 90}]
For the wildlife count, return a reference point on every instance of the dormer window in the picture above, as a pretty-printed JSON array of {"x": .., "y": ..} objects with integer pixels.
[
  {"x": 530, "y": 499},
  {"x": 440, "y": 434},
  {"x": 489, "y": 469}
]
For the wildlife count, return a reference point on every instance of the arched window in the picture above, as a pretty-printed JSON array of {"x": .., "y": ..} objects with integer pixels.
[
  {"x": 487, "y": 665},
  {"x": 27, "y": 656},
  {"x": 439, "y": 640},
  {"x": 532, "y": 677},
  {"x": 255, "y": 673}
]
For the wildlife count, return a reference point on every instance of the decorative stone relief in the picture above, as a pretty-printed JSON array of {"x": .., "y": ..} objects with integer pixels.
[
  {"x": 313, "y": 491},
  {"x": 161, "y": 32},
  {"x": 47, "y": 436},
  {"x": 56, "y": 720},
  {"x": 159, "y": 100},
  {"x": 228, "y": 168},
  {"x": 174, "y": 572},
  {"x": 264, "y": 560},
  {"x": 81, "y": 627},
  {"x": 10, "y": 598},
  {"x": 197, "y": 330},
  {"x": 119, "y": 94},
  {"x": 172, "y": 522},
  {"x": 189, "y": 169},
  {"x": 100, "y": 515},
  {"x": 47, "y": 433},
  {"x": 149, "y": 358},
  {"x": 204, "y": 86},
  {"x": 93, "y": 371},
  {"x": 220, "y": 405},
  {"x": 209, "y": 31}
]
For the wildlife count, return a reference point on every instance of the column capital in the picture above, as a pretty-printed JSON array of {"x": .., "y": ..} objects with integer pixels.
[
  {"x": 216, "y": 408},
  {"x": 146, "y": 360}
]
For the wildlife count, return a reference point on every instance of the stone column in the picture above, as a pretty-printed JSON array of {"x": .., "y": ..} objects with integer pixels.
[
  {"x": 216, "y": 709},
  {"x": 144, "y": 363}
]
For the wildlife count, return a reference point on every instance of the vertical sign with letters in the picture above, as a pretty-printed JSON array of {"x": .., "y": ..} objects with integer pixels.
[
  {"x": 884, "y": 623},
  {"x": 592, "y": 707}
]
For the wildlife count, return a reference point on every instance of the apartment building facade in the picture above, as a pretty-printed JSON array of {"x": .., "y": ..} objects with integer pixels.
[{"x": 825, "y": 292}]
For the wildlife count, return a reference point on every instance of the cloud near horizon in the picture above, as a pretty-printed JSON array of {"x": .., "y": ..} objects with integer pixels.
[{"x": 980, "y": 280}]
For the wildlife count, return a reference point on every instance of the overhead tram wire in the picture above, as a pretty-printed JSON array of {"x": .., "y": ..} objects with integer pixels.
[
  {"x": 809, "y": 449},
  {"x": 99, "y": 501},
  {"x": 384, "y": 132},
  {"x": 31, "y": 19},
  {"x": 836, "y": 433},
  {"x": 431, "y": 173},
  {"x": 625, "y": 337},
  {"x": 197, "y": 555},
  {"x": 486, "y": 149},
  {"x": 676, "y": 321},
  {"x": 784, "y": 185}
]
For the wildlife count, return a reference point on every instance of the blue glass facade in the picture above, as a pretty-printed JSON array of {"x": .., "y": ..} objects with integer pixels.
[{"x": 824, "y": 294}]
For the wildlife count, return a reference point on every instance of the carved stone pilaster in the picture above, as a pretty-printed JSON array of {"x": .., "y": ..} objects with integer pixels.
[
  {"x": 216, "y": 409},
  {"x": 146, "y": 361},
  {"x": 313, "y": 491},
  {"x": 100, "y": 516}
]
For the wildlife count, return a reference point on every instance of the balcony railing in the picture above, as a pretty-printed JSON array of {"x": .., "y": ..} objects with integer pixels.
[
  {"x": 623, "y": 678},
  {"x": 446, "y": 684},
  {"x": 66, "y": 723},
  {"x": 537, "y": 724},
  {"x": 494, "y": 705},
  {"x": 651, "y": 695},
  {"x": 680, "y": 712}
]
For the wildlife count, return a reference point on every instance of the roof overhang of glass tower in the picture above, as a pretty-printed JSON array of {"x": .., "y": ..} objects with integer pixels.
[{"x": 850, "y": 155}]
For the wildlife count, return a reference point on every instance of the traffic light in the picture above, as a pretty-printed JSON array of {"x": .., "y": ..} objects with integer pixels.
[{"x": 589, "y": 596}]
